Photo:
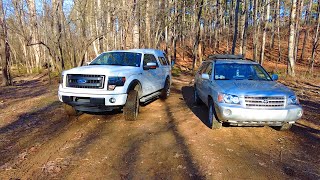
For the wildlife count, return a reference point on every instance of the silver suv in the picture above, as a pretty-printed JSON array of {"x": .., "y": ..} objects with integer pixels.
[
  {"x": 116, "y": 80},
  {"x": 241, "y": 92}
]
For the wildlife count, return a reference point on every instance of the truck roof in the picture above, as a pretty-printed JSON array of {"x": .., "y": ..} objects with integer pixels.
[{"x": 143, "y": 51}]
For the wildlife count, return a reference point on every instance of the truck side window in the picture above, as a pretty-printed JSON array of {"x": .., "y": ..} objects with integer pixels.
[
  {"x": 149, "y": 58},
  {"x": 208, "y": 70}
]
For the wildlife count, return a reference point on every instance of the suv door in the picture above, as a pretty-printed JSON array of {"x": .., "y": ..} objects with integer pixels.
[
  {"x": 206, "y": 84},
  {"x": 198, "y": 78},
  {"x": 152, "y": 77}
]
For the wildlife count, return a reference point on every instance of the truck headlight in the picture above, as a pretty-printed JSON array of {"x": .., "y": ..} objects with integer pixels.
[
  {"x": 228, "y": 98},
  {"x": 113, "y": 82},
  {"x": 293, "y": 100}
]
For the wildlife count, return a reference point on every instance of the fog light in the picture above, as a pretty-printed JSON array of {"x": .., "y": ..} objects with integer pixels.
[
  {"x": 112, "y": 100},
  {"x": 299, "y": 113},
  {"x": 227, "y": 112}
]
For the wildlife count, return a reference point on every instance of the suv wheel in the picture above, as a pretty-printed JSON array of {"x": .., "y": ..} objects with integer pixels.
[
  {"x": 71, "y": 111},
  {"x": 212, "y": 120},
  {"x": 131, "y": 108},
  {"x": 196, "y": 97},
  {"x": 165, "y": 92}
]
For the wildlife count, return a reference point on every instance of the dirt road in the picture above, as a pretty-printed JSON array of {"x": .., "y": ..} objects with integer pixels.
[{"x": 170, "y": 140}]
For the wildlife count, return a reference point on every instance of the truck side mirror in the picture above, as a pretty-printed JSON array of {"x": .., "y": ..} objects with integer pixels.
[{"x": 150, "y": 65}]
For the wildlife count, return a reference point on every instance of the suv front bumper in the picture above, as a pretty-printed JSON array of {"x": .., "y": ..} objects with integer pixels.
[
  {"x": 235, "y": 114},
  {"x": 93, "y": 102}
]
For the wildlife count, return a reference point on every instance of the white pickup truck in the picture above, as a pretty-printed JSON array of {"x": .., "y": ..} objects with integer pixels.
[{"x": 114, "y": 80}]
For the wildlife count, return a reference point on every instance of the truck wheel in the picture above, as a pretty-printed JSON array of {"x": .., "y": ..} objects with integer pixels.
[
  {"x": 284, "y": 127},
  {"x": 71, "y": 111},
  {"x": 196, "y": 97},
  {"x": 165, "y": 92},
  {"x": 212, "y": 120},
  {"x": 131, "y": 108}
]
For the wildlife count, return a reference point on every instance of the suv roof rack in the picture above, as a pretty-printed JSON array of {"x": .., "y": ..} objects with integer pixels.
[{"x": 225, "y": 56}]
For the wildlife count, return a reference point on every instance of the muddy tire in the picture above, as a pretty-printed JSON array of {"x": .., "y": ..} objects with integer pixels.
[
  {"x": 71, "y": 111},
  {"x": 131, "y": 108},
  {"x": 165, "y": 92},
  {"x": 284, "y": 127},
  {"x": 196, "y": 98},
  {"x": 213, "y": 122}
]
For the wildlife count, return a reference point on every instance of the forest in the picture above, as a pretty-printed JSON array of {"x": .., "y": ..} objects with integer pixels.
[
  {"x": 44, "y": 133},
  {"x": 54, "y": 35}
]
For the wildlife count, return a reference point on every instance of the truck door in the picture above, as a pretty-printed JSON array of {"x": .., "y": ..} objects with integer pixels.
[{"x": 151, "y": 77}]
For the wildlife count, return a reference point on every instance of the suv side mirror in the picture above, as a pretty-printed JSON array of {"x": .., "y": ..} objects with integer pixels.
[
  {"x": 150, "y": 65},
  {"x": 172, "y": 62},
  {"x": 275, "y": 77},
  {"x": 87, "y": 63},
  {"x": 205, "y": 76}
]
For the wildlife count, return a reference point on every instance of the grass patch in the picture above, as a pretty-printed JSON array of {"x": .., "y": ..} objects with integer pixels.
[{"x": 175, "y": 71}]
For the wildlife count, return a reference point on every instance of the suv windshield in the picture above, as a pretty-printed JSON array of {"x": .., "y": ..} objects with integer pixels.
[
  {"x": 235, "y": 71},
  {"x": 118, "y": 59}
]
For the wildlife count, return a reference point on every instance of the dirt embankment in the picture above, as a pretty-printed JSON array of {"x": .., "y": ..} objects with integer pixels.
[{"x": 170, "y": 140}]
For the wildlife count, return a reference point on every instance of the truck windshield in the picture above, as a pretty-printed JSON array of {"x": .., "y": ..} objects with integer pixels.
[
  {"x": 237, "y": 71},
  {"x": 118, "y": 59}
]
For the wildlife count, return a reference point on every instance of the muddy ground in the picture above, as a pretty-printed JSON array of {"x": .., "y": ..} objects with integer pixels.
[{"x": 170, "y": 140}]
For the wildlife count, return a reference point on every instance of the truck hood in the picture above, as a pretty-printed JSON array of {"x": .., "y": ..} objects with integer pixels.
[
  {"x": 256, "y": 88},
  {"x": 108, "y": 70}
]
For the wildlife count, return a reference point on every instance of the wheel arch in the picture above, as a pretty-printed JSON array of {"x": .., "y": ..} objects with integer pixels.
[{"x": 135, "y": 85}]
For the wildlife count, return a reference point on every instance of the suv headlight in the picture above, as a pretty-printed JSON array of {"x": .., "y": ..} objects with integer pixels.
[
  {"x": 293, "y": 100},
  {"x": 228, "y": 98},
  {"x": 113, "y": 82}
]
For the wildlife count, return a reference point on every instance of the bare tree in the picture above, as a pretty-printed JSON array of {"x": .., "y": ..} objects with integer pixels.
[
  {"x": 265, "y": 24},
  {"x": 315, "y": 43},
  {"x": 291, "y": 40},
  {"x": 136, "y": 23},
  {"x": 5, "y": 49},
  {"x": 235, "y": 33},
  {"x": 197, "y": 37}
]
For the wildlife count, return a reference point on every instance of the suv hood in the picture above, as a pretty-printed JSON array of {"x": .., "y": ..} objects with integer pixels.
[
  {"x": 108, "y": 70},
  {"x": 251, "y": 87}
]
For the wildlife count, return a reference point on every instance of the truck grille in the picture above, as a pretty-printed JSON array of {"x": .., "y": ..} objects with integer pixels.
[
  {"x": 85, "y": 81},
  {"x": 263, "y": 102}
]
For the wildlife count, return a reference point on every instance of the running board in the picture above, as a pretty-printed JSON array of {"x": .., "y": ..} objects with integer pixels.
[{"x": 150, "y": 97}]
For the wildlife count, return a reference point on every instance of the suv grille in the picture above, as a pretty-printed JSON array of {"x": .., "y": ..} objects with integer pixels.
[
  {"x": 261, "y": 102},
  {"x": 85, "y": 81}
]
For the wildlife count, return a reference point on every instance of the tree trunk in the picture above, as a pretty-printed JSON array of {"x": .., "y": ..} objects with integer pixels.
[
  {"x": 306, "y": 33},
  {"x": 243, "y": 46},
  {"x": 136, "y": 33},
  {"x": 34, "y": 32},
  {"x": 197, "y": 37},
  {"x": 315, "y": 42},
  {"x": 148, "y": 25},
  {"x": 4, "y": 45},
  {"x": 278, "y": 32},
  {"x": 291, "y": 40},
  {"x": 299, "y": 13},
  {"x": 266, "y": 23},
  {"x": 235, "y": 33}
]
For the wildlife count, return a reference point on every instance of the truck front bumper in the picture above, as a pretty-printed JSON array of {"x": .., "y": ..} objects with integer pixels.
[
  {"x": 93, "y": 102},
  {"x": 238, "y": 115}
]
